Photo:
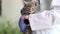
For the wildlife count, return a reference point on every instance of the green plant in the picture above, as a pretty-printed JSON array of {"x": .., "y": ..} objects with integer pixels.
[
  {"x": 2, "y": 28},
  {"x": 8, "y": 29}
]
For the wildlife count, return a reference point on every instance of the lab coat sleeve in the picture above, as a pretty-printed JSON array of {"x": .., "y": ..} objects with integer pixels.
[
  {"x": 56, "y": 15},
  {"x": 42, "y": 20}
]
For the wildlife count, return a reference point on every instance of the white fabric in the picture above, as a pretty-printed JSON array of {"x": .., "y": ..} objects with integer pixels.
[
  {"x": 41, "y": 21},
  {"x": 56, "y": 14},
  {"x": 55, "y": 3},
  {"x": 56, "y": 22}
]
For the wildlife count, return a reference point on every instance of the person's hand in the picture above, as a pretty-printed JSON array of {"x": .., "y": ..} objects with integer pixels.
[{"x": 26, "y": 17}]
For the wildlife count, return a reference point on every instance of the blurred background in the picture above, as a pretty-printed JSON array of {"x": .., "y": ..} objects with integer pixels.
[{"x": 9, "y": 16}]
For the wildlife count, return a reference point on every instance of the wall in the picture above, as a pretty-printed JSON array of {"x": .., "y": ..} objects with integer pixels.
[{"x": 11, "y": 10}]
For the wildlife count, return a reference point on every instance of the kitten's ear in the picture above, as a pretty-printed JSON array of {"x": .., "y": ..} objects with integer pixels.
[{"x": 25, "y": 3}]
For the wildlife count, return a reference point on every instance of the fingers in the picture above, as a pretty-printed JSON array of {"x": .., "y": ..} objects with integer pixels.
[{"x": 26, "y": 16}]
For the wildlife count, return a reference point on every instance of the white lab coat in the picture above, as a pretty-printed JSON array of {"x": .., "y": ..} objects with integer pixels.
[
  {"x": 56, "y": 27},
  {"x": 44, "y": 22}
]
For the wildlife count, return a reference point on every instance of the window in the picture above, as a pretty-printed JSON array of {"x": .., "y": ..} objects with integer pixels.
[
  {"x": 39, "y": 2},
  {"x": 0, "y": 7}
]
